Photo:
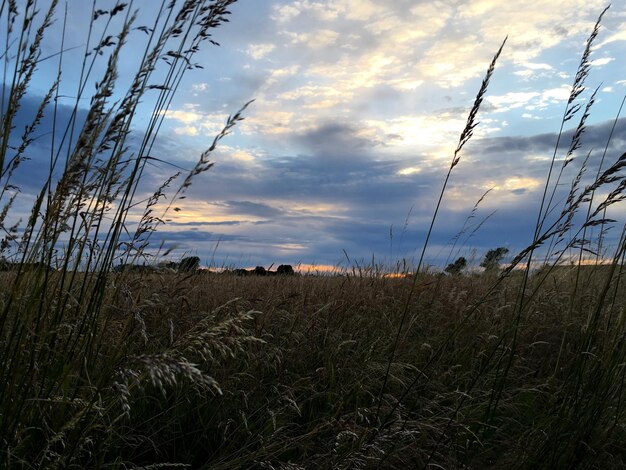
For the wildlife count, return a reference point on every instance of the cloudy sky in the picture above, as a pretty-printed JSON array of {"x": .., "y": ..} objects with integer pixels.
[{"x": 358, "y": 108}]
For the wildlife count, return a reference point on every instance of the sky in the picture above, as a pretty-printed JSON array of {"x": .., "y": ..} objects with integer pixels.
[{"x": 358, "y": 108}]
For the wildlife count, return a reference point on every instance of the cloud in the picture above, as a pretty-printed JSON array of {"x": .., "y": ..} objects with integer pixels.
[
  {"x": 358, "y": 10},
  {"x": 602, "y": 61},
  {"x": 344, "y": 190},
  {"x": 285, "y": 13},
  {"x": 530, "y": 100},
  {"x": 248, "y": 208},
  {"x": 533, "y": 71},
  {"x": 346, "y": 61},
  {"x": 409, "y": 171},
  {"x": 359, "y": 110},
  {"x": 187, "y": 130},
  {"x": 34, "y": 169},
  {"x": 185, "y": 116},
  {"x": 259, "y": 51},
  {"x": 320, "y": 39},
  {"x": 620, "y": 35},
  {"x": 195, "y": 122},
  {"x": 335, "y": 139},
  {"x": 201, "y": 223},
  {"x": 200, "y": 87}
]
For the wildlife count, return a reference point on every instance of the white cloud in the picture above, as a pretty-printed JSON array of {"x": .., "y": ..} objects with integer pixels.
[
  {"x": 285, "y": 13},
  {"x": 236, "y": 153},
  {"x": 186, "y": 130},
  {"x": 513, "y": 184},
  {"x": 602, "y": 61},
  {"x": 620, "y": 35},
  {"x": 200, "y": 87},
  {"x": 259, "y": 51},
  {"x": 325, "y": 11},
  {"x": 409, "y": 171},
  {"x": 360, "y": 10},
  {"x": 531, "y": 100},
  {"x": 276, "y": 79},
  {"x": 512, "y": 100},
  {"x": 524, "y": 73},
  {"x": 195, "y": 122},
  {"x": 184, "y": 116},
  {"x": 553, "y": 95},
  {"x": 532, "y": 70},
  {"x": 405, "y": 133},
  {"x": 537, "y": 66},
  {"x": 319, "y": 39},
  {"x": 268, "y": 120},
  {"x": 451, "y": 45}
]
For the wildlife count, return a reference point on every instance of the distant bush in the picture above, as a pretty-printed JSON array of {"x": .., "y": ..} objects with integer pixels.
[
  {"x": 189, "y": 264},
  {"x": 456, "y": 267},
  {"x": 285, "y": 270},
  {"x": 492, "y": 259}
]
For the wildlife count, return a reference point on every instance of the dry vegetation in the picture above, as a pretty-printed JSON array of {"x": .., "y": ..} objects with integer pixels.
[
  {"x": 104, "y": 369},
  {"x": 288, "y": 370}
]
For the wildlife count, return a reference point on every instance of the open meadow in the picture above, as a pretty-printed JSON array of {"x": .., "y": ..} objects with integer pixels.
[{"x": 289, "y": 372}]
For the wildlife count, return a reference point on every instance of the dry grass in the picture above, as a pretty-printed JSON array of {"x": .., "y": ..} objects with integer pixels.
[{"x": 296, "y": 365}]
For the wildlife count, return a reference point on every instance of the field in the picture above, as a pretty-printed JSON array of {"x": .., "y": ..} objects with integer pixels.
[
  {"x": 290, "y": 371},
  {"x": 517, "y": 365}
]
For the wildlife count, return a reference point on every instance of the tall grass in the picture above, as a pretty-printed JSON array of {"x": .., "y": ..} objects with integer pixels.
[
  {"x": 69, "y": 366},
  {"x": 359, "y": 369}
]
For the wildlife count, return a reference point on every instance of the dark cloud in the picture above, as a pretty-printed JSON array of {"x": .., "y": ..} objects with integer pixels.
[
  {"x": 595, "y": 137},
  {"x": 204, "y": 224},
  {"x": 333, "y": 140},
  {"x": 529, "y": 156},
  {"x": 249, "y": 208},
  {"x": 34, "y": 168},
  {"x": 191, "y": 236}
]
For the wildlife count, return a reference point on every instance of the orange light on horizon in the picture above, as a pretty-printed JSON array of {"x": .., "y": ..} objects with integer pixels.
[{"x": 317, "y": 268}]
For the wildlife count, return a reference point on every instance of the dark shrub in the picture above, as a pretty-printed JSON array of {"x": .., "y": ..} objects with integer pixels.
[
  {"x": 260, "y": 271},
  {"x": 189, "y": 264},
  {"x": 285, "y": 269}
]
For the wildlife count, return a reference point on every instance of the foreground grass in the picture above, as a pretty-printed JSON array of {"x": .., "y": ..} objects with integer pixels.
[{"x": 298, "y": 363}]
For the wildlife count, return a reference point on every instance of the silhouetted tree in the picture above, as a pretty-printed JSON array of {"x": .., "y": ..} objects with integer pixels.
[
  {"x": 456, "y": 267},
  {"x": 285, "y": 269},
  {"x": 492, "y": 259},
  {"x": 189, "y": 264}
]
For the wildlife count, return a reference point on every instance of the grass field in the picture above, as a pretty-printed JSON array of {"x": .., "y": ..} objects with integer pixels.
[
  {"x": 521, "y": 366},
  {"x": 289, "y": 371}
]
